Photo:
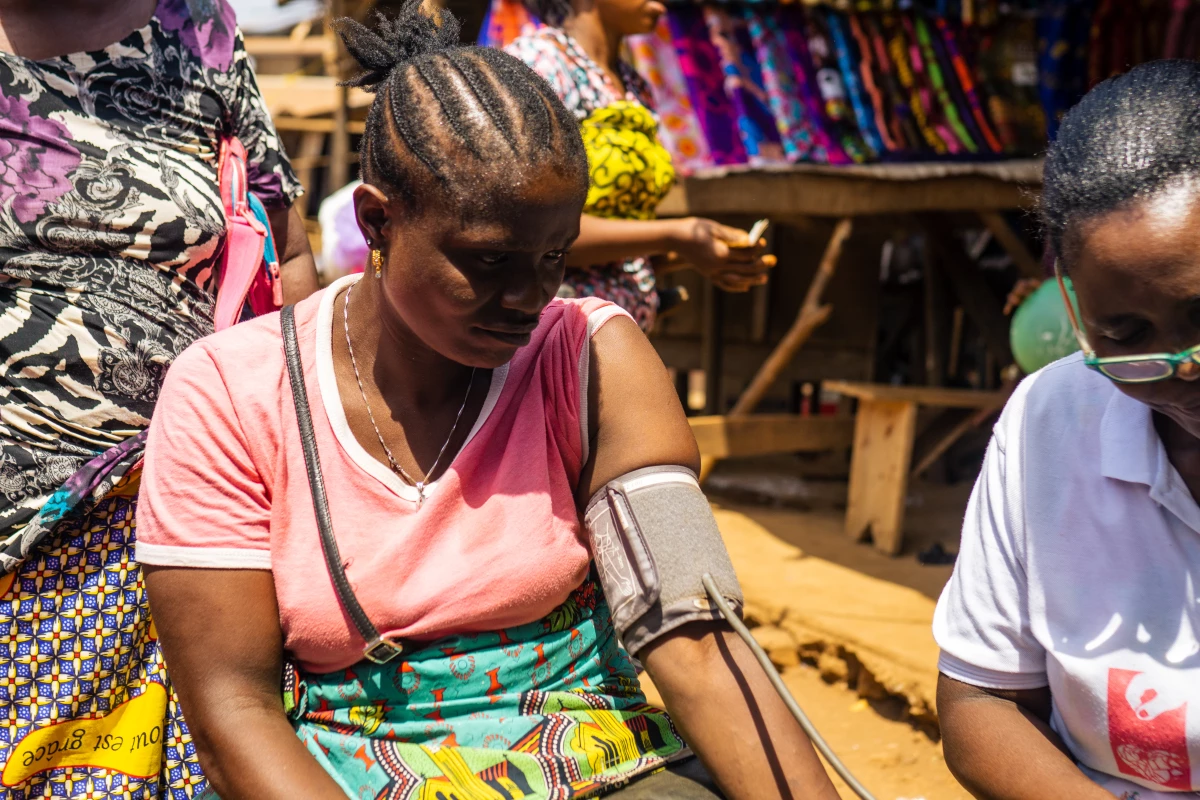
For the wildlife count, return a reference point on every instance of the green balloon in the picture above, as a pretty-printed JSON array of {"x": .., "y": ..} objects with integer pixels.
[{"x": 1041, "y": 330}]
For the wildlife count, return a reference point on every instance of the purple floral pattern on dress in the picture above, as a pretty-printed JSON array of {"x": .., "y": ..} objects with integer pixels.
[
  {"x": 35, "y": 159},
  {"x": 207, "y": 27}
]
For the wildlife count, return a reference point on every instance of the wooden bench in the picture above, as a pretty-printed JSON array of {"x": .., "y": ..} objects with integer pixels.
[
  {"x": 764, "y": 434},
  {"x": 884, "y": 430}
]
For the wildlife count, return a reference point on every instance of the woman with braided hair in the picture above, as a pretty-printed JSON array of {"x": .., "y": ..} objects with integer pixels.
[
  {"x": 462, "y": 416},
  {"x": 622, "y": 247}
]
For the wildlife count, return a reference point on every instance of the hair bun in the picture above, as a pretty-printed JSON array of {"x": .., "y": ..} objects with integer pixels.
[{"x": 405, "y": 37}]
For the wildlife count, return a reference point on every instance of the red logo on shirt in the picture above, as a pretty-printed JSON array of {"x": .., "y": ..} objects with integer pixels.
[{"x": 1147, "y": 726}]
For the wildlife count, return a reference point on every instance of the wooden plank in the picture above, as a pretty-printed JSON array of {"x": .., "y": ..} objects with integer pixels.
[
  {"x": 763, "y": 434},
  {"x": 306, "y": 95},
  {"x": 935, "y": 396},
  {"x": 284, "y": 46},
  {"x": 805, "y": 193},
  {"x": 812, "y": 313},
  {"x": 316, "y": 125},
  {"x": 883, "y": 440}
]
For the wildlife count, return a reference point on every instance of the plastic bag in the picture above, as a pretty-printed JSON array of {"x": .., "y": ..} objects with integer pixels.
[{"x": 343, "y": 248}]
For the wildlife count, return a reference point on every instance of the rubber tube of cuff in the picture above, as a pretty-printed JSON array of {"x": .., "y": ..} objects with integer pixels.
[{"x": 805, "y": 723}]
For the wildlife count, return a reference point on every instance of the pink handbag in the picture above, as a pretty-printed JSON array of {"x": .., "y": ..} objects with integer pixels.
[{"x": 249, "y": 267}]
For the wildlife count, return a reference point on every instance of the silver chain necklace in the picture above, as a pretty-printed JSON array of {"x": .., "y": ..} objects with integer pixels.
[{"x": 396, "y": 468}]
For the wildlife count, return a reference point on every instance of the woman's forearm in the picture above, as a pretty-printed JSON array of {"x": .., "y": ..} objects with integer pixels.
[
  {"x": 602, "y": 240},
  {"x": 253, "y": 753},
  {"x": 732, "y": 717},
  {"x": 999, "y": 750}
]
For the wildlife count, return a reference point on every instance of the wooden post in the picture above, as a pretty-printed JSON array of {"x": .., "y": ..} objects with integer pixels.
[
  {"x": 883, "y": 439},
  {"x": 339, "y": 147},
  {"x": 812, "y": 314},
  {"x": 1003, "y": 233},
  {"x": 711, "y": 348}
]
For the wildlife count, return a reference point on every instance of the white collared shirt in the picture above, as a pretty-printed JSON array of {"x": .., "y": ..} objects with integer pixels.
[{"x": 1079, "y": 569}]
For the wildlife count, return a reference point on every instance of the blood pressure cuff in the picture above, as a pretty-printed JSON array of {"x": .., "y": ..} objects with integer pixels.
[{"x": 653, "y": 536}]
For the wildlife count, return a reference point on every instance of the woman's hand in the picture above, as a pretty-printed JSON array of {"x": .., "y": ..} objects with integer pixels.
[
  {"x": 220, "y": 633},
  {"x": 999, "y": 745},
  {"x": 723, "y": 254}
]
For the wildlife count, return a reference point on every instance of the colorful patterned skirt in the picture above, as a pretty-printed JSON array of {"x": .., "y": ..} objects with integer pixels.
[
  {"x": 86, "y": 707},
  {"x": 552, "y": 709}
]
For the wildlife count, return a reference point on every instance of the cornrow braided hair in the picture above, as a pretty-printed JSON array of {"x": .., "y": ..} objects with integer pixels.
[
  {"x": 551, "y": 12},
  {"x": 465, "y": 120},
  {"x": 1129, "y": 138}
]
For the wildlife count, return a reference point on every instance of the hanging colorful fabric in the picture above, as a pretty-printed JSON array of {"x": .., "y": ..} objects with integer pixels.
[
  {"x": 655, "y": 59},
  {"x": 872, "y": 81},
  {"x": 899, "y": 52},
  {"x": 846, "y": 61},
  {"x": 905, "y": 129},
  {"x": 744, "y": 87},
  {"x": 1172, "y": 45},
  {"x": 791, "y": 19},
  {"x": 967, "y": 85},
  {"x": 505, "y": 21},
  {"x": 701, "y": 68},
  {"x": 924, "y": 74},
  {"x": 812, "y": 41},
  {"x": 941, "y": 83},
  {"x": 802, "y": 139}
]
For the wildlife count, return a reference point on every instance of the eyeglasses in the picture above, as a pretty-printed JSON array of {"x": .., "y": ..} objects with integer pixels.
[{"x": 1148, "y": 368}]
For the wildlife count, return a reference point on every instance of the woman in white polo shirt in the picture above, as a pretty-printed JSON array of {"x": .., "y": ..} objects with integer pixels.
[{"x": 1070, "y": 632}]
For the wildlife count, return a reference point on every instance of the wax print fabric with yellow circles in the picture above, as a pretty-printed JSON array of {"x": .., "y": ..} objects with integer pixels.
[
  {"x": 630, "y": 170},
  {"x": 88, "y": 712}
]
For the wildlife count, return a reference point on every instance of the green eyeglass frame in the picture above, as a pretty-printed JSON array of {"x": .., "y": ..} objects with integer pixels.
[{"x": 1147, "y": 368}]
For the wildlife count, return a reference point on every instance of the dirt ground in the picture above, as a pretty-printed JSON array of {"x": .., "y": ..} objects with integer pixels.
[{"x": 891, "y": 759}]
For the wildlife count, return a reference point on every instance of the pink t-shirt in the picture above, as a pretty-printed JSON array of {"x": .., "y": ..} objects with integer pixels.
[{"x": 497, "y": 542}]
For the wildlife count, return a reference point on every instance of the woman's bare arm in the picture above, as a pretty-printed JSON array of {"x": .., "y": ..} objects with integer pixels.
[
  {"x": 1000, "y": 746},
  {"x": 722, "y": 254},
  {"x": 297, "y": 268},
  {"x": 716, "y": 692},
  {"x": 220, "y": 634}
]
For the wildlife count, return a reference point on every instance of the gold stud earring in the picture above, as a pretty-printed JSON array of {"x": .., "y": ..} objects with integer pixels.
[{"x": 377, "y": 262}]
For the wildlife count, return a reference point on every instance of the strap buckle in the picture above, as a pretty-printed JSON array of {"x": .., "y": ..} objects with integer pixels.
[{"x": 381, "y": 651}]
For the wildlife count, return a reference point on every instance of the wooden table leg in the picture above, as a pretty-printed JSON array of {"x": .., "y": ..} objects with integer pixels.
[{"x": 883, "y": 442}]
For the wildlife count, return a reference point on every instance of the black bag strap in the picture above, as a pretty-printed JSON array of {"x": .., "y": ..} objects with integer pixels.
[{"x": 378, "y": 649}]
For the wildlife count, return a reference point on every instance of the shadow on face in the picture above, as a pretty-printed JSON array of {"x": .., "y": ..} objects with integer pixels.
[
  {"x": 470, "y": 277},
  {"x": 1136, "y": 272}
]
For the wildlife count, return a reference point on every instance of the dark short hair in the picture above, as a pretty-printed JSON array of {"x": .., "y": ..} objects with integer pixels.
[
  {"x": 466, "y": 120},
  {"x": 1129, "y": 138},
  {"x": 551, "y": 12}
]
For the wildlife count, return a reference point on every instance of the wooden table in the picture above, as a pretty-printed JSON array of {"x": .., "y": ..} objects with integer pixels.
[
  {"x": 921, "y": 193},
  {"x": 884, "y": 429}
]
